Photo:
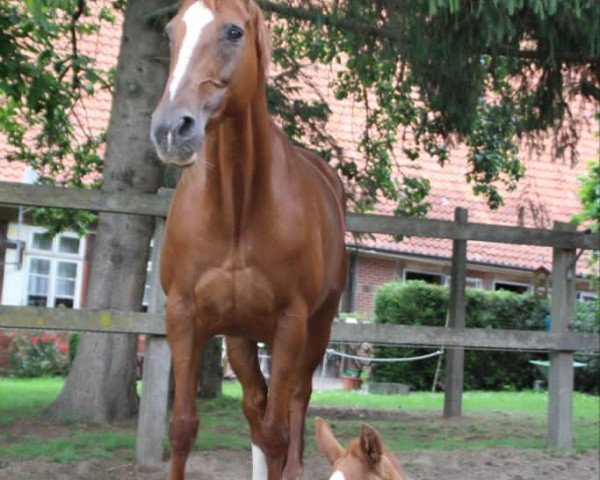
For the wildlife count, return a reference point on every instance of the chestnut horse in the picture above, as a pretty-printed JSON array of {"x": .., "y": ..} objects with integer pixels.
[
  {"x": 366, "y": 458},
  {"x": 254, "y": 242}
]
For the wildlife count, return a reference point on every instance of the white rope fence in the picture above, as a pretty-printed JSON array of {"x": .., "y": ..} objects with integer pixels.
[{"x": 331, "y": 351}]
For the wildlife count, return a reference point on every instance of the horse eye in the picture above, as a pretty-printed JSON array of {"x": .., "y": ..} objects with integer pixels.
[{"x": 234, "y": 33}]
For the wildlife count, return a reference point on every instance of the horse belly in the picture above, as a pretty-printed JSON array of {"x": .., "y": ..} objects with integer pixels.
[{"x": 235, "y": 302}]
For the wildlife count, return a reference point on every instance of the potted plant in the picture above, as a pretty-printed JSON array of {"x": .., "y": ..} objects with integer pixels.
[
  {"x": 351, "y": 379},
  {"x": 354, "y": 371}
]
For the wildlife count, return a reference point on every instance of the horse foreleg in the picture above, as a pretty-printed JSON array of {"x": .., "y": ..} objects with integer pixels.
[
  {"x": 293, "y": 466},
  {"x": 288, "y": 344},
  {"x": 243, "y": 356},
  {"x": 319, "y": 326},
  {"x": 186, "y": 350}
]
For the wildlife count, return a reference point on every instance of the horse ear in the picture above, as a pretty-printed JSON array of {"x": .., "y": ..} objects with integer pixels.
[
  {"x": 370, "y": 444},
  {"x": 328, "y": 445},
  {"x": 263, "y": 40}
]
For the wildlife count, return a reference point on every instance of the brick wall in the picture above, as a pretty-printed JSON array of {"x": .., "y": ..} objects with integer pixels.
[{"x": 371, "y": 272}]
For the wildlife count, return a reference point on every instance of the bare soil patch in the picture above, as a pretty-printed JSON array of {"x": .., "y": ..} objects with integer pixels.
[
  {"x": 463, "y": 464},
  {"x": 497, "y": 464}
]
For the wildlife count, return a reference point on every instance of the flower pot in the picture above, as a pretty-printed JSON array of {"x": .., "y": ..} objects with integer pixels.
[{"x": 351, "y": 383}]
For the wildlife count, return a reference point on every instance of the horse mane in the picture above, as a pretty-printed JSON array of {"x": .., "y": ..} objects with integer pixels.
[{"x": 263, "y": 38}]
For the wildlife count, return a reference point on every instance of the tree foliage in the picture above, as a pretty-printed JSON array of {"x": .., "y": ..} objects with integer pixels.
[
  {"x": 589, "y": 195},
  {"x": 45, "y": 79},
  {"x": 436, "y": 72},
  {"x": 442, "y": 71},
  {"x": 589, "y": 216}
]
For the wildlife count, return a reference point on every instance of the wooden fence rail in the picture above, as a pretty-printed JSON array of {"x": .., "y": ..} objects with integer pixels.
[
  {"x": 158, "y": 206},
  {"x": 112, "y": 321},
  {"x": 560, "y": 342}
]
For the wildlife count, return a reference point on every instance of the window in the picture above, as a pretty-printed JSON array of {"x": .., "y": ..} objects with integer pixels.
[
  {"x": 436, "y": 278},
  {"x": 54, "y": 270},
  {"x": 62, "y": 244},
  {"x": 39, "y": 282},
  {"x": 587, "y": 296},
  {"x": 68, "y": 245},
  {"x": 470, "y": 282},
  {"x": 512, "y": 287},
  {"x": 41, "y": 242},
  {"x": 474, "y": 282}
]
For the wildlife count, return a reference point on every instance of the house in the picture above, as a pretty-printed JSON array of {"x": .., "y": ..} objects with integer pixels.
[{"x": 36, "y": 270}]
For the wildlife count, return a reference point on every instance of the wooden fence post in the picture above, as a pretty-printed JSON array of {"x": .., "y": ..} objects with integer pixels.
[
  {"x": 455, "y": 357},
  {"x": 152, "y": 419},
  {"x": 560, "y": 378}
]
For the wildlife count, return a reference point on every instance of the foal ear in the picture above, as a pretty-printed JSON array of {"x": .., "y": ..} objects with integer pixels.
[
  {"x": 328, "y": 445},
  {"x": 370, "y": 444},
  {"x": 263, "y": 39}
]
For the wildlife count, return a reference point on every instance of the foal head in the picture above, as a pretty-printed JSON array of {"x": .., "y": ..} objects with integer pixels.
[
  {"x": 219, "y": 56},
  {"x": 365, "y": 459}
]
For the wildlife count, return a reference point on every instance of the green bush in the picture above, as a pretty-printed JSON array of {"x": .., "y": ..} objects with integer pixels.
[
  {"x": 588, "y": 321},
  {"x": 38, "y": 355},
  {"x": 420, "y": 303},
  {"x": 73, "y": 344}
]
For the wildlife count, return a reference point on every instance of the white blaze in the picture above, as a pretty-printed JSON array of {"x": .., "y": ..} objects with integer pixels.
[
  {"x": 259, "y": 464},
  {"x": 337, "y": 476},
  {"x": 195, "y": 19}
]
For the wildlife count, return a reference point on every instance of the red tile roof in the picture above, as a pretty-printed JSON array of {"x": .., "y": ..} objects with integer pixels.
[{"x": 547, "y": 193}]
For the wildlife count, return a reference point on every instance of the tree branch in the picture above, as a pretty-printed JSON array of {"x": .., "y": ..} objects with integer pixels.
[
  {"x": 73, "y": 28},
  {"x": 315, "y": 15}
]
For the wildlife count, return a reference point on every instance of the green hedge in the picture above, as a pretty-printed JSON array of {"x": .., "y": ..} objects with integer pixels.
[{"x": 420, "y": 303}]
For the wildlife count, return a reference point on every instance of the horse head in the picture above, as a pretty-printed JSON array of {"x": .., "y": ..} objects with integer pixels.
[
  {"x": 219, "y": 58},
  {"x": 365, "y": 459}
]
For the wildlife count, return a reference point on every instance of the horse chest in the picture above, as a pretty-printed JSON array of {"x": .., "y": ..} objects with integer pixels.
[{"x": 231, "y": 301}]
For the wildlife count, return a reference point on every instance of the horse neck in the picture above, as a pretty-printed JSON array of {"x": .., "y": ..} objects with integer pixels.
[{"x": 238, "y": 162}]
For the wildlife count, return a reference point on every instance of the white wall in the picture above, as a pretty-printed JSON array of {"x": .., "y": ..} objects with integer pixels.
[{"x": 13, "y": 290}]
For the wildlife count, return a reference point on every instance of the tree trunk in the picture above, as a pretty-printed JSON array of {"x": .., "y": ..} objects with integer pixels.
[
  {"x": 101, "y": 384},
  {"x": 211, "y": 371}
]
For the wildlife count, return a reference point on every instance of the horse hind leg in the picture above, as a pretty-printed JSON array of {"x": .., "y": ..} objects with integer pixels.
[{"x": 243, "y": 356}]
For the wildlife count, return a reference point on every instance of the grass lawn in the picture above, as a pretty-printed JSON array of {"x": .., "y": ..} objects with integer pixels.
[
  {"x": 491, "y": 420},
  {"x": 22, "y": 397}
]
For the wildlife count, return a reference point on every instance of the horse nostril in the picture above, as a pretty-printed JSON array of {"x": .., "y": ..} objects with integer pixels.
[{"x": 185, "y": 127}]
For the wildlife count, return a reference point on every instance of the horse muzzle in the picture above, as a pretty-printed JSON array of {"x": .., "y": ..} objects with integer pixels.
[{"x": 177, "y": 136}]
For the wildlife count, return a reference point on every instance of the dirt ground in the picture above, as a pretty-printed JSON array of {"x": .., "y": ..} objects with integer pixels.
[
  {"x": 491, "y": 464},
  {"x": 498, "y": 464}
]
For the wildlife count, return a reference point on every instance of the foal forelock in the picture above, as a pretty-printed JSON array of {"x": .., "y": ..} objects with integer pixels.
[{"x": 195, "y": 19}]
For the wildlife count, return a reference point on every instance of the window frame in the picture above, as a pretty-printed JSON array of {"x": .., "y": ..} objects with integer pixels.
[
  {"x": 54, "y": 257},
  {"x": 55, "y": 244},
  {"x": 528, "y": 286},
  {"x": 586, "y": 296},
  {"x": 476, "y": 281},
  {"x": 443, "y": 278}
]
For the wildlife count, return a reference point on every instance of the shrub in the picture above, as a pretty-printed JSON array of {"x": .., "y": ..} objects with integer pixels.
[
  {"x": 420, "y": 303},
  {"x": 588, "y": 321},
  {"x": 38, "y": 355},
  {"x": 73, "y": 344}
]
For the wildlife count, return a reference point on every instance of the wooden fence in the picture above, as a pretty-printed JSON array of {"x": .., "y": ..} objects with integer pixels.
[{"x": 560, "y": 342}]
